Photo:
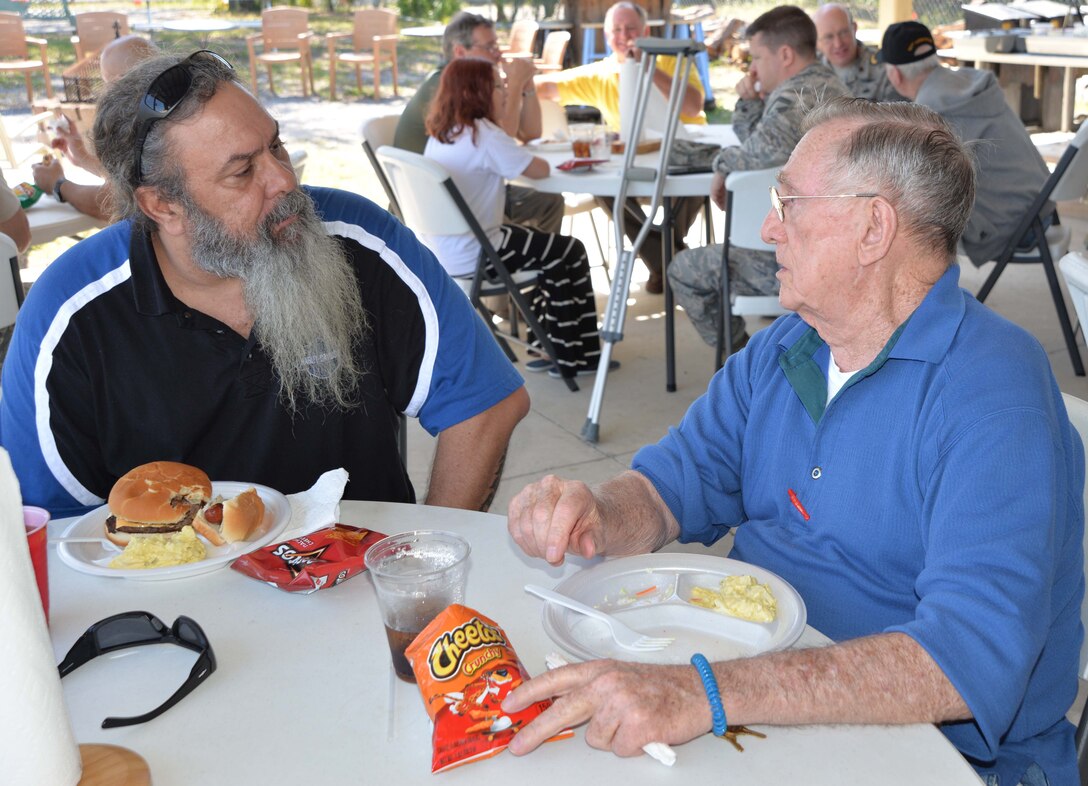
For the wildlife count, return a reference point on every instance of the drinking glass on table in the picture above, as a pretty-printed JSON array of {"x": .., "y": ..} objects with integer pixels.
[
  {"x": 417, "y": 575},
  {"x": 588, "y": 140}
]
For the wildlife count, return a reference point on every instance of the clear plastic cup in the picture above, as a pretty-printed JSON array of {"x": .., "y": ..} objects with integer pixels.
[{"x": 416, "y": 575}]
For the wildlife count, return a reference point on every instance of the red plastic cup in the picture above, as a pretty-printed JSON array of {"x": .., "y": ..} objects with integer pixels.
[{"x": 35, "y": 519}]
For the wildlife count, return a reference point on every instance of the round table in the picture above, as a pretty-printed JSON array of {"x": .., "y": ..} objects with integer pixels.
[{"x": 304, "y": 688}]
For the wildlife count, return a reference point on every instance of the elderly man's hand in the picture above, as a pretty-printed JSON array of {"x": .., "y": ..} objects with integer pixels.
[
  {"x": 627, "y": 705},
  {"x": 553, "y": 516},
  {"x": 70, "y": 141}
]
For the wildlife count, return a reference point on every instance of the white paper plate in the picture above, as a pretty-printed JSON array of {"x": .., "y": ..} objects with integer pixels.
[
  {"x": 95, "y": 559},
  {"x": 612, "y": 586},
  {"x": 549, "y": 146}
]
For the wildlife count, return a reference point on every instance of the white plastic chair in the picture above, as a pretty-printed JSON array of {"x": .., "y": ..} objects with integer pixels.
[
  {"x": 11, "y": 286},
  {"x": 1074, "y": 269},
  {"x": 431, "y": 204},
  {"x": 746, "y": 208},
  {"x": 379, "y": 132},
  {"x": 17, "y": 146},
  {"x": 1068, "y": 181},
  {"x": 298, "y": 162}
]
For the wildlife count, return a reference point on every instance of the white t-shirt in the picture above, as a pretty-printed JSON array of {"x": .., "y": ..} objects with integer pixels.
[
  {"x": 835, "y": 378},
  {"x": 480, "y": 172}
]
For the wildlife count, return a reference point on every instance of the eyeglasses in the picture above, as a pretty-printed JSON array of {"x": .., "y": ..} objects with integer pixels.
[
  {"x": 779, "y": 202},
  {"x": 492, "y": 47},
  {"x": 163, "y": 96},
  {"x": 133, "y": 629}
]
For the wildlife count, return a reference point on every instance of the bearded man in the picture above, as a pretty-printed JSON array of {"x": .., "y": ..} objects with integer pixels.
[{"x": 234, "y": 321}]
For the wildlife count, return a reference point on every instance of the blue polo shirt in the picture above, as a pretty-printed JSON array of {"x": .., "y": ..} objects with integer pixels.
[
  {"x": 944, "y": 491},
  {"x": 108, "y": 370}
]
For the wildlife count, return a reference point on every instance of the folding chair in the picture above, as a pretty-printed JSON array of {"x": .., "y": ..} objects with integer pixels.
[
  {"x": 11, "y": 293},
  {"x": 379, "y": 132},
  {"x": 432, "y": 205},
  {"x": 616, "y": 311},
  {"x": 1074, "y": 267},
  {"x": 285, "y": 36},
  {"x": 746, "y": 207},
  {"x": 1069, "y": 180}
]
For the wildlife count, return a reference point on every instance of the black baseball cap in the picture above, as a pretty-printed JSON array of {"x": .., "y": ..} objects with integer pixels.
[{"x": 906, "y": 42}]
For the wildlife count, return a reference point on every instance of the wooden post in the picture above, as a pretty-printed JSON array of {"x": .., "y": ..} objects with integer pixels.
[{"x": 579, "y": 12}]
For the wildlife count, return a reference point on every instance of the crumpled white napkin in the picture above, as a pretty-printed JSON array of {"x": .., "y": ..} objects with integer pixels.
[
  {"x": 318, "y": 506},
  {"x": 655, "y": 750}
]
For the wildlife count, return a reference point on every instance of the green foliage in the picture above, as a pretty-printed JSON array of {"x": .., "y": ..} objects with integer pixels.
[{"x": 428, "y": 9}]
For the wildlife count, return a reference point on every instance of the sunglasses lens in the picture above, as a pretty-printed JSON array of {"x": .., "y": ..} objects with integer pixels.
[
  {"x": 189, "y": 632},
  {"x": 167, "y": 90},
  {"x": 126, "y": 631}
]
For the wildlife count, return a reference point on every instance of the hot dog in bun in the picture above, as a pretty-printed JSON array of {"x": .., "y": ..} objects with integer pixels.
[
  {"x": 230, "y": 521},
  {"x": 156, "y": 498}
]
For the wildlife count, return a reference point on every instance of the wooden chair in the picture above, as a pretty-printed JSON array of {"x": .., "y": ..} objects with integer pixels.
[
  {"x": 15, "y": 53},
  {"x": 285, "y": 37},
  {"x": 374, "y": 39},
  {"x": 555, "y": 49},
  {"x": 522, "y": 35},
  {"x": 95, "y": 29}
]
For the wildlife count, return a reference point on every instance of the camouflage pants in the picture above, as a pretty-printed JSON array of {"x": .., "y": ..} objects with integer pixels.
[
  {"x": 695, "y": 276},
  {"x": 535, "y": 210}
]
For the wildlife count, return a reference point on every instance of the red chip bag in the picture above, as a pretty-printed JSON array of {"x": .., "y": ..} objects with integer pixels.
[
  {"x": 311, "y": 562},
  {"x": 465, "y": 667}
]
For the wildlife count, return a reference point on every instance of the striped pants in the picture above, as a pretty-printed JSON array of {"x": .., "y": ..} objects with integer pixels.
[{"x": 563, "y": 298}]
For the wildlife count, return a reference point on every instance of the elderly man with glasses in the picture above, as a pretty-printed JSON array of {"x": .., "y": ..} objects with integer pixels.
[
  {"x": 472, "y": 35},
  {"x": 235, "y": 321},
  {"x": 896, "y": 451}
]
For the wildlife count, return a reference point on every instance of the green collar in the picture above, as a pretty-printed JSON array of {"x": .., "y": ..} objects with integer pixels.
[{"x": 807, "y": 377}]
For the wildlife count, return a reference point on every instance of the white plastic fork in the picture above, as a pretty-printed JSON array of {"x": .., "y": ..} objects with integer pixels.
[{"x": 624, "y": 636}]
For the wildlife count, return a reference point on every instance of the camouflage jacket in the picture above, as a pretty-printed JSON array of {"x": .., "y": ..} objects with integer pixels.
[
  {"x": 769, "y": 129},
  {"x": 866, "y": 78}
]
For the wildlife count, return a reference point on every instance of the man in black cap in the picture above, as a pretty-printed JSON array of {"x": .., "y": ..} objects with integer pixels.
[{"x": 1010, "y": 170}]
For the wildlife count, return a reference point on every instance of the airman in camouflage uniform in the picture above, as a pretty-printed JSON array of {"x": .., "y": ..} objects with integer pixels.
[
  {"x": 768, "y": 128},
  {"x": 866, "y": 78},
  {"x": 854, "y": 63}
]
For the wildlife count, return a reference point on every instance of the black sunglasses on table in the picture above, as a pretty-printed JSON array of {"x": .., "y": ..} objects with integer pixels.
[
  {"x": 163, "y": 96},
  {"x": 135, "y": 628}
]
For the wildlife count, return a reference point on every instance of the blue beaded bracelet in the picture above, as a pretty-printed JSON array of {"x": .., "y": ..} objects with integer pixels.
[{"x": 710, "y": 685}]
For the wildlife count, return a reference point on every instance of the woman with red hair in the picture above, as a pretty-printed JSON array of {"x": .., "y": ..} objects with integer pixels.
[{"x": 466, "y": 140}]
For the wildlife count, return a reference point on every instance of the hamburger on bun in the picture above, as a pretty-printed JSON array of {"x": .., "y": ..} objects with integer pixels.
[
  {"x": 230, "y": 521},
  {"x": 154, "y": 499}
]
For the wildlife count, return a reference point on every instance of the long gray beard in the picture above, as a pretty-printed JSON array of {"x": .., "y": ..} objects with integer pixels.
[{"x": 302, "y": 295}]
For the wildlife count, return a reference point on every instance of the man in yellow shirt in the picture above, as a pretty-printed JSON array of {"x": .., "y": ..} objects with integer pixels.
[{"x": 598, "y": 84}]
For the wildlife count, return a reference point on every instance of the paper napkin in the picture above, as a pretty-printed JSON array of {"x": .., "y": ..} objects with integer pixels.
[{"x": 318, "y": 506}]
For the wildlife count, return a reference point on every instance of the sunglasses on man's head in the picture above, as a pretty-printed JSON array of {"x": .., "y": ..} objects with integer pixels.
[
  {"x": 135, "y": 628},
  {"x": 163, "y": 96}
]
